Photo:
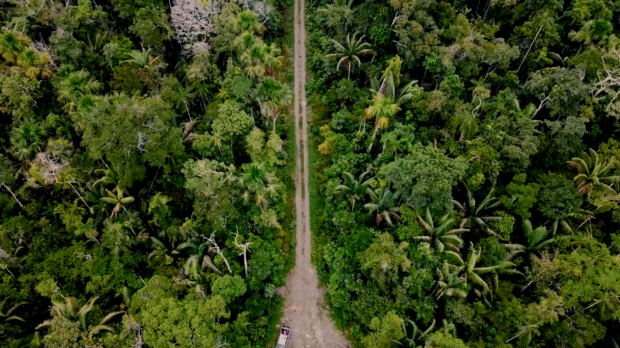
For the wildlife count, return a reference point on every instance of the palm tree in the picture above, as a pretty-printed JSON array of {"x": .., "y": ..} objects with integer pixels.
[
  {"x": 27, "y": 139},
  {"x": 8, "y": 316},
  {"x": 273, "y": 97},
  {"x": 478, "y": 215},
  {"x": 466, "y": 122},
  {"x": 449, "y": 282},
  {"x": 12, "y": 44},
  {"x": 258, "y": 184},
  {"x": 69, "y": 311},
  {"x": 382, "y": 109},
  {"x": 356, "y": 189},
  {"x": 592, "y": 173},
  {"x": 384, "y": 205},
  {"x": 537, "y": 239},
  {"x": 349, "y": 52},
  {"x": 184, "y": 96},
  {"x": 197, "y": 254},
  {"x": 118, "y": 200},
  {"x": 34, "y": 63},
  {"x": 441, "y": 237},
  {"x": 399, "y": 140},
  {"x": 108, "y": 176},
  {"x": 98, "y": 207},
  {"x": 73, "y": 86},
  {"x": 144, "y": 60},
  {"x": 254, "y": 58},
  {"x": 389, "y": 82},
  {"x": 470, "y": 271},
  {"x": 526, "y": 332},
  {"x": 247, "y": 22},
  {"x": 417, "y": 335},
  {"x": 271, "y": 58}
]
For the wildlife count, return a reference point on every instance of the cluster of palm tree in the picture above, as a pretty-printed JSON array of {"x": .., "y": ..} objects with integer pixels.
[
  {"x": 76, "y": 88},
  {"x": 258, "y": 184},
  {"x": 17, "y": 49},
  {"x": 384, "y": 203}
]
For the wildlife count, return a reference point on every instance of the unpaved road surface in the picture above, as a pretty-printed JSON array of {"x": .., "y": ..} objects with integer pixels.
[{"x": 304, "y": 311}]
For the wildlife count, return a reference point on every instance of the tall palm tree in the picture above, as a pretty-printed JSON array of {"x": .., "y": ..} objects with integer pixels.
[
  {"x": 470, "y": 271},
  {"x": 466, "y": 122},
  {"x": 271, "y": 58},
  {"x": 70, "y": 311},
  {"x": 12, "y": 44},
  {"x": 8, "y": 315},
  {"x": 537, "y": 239},
  {"x": 478, "y": 215},
  {"x": 144, "y": 60},
  {"x": 98, "y": 206},
  {"x": 108, "y": 176},
  {"x": 384, "y": 205},
  {"x": 527, "y": 332},
  {"x": 184, "y": 96},
  {"x": 197, "y": 254},
  {"x": 247, "y": 22},
  {"x": 73, "y": 86},
  {"x": 355, "y": 188},
  {"x": 258, "y": 184},
  {"x": 349, "y": 52},
  {"x": 417, "y": 335},
  {"x": 442, "y": 236},
  {"x": 27, "y": 139},
  {"x": 592, "y": 173},
  {"x": 449, "y": 283},
  {"x": 273, "y": 98},
  {"x": 118, "y": 200},
  {"x": 383, "y": 109},
  {"x": 148, "y": 65},
  {"x": 34, "y": 63}
]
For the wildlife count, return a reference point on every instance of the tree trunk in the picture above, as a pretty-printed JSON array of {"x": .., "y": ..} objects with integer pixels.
[
  {"x": 12, "y": 194},
  {"x": 532, "y": 45},
  {"x": 349, "y": 75}
]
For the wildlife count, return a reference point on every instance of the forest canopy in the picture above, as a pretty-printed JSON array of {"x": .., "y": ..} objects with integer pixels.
[
  {"x": 467, "y": 167},
  {"x": 145, "y": 180}
]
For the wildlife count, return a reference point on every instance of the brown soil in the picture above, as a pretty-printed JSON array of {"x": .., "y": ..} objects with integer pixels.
[{"x": 304, "y": 309}]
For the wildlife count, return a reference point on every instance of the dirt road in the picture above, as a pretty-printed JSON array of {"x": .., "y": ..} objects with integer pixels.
[{"x": 304, "y": 311}]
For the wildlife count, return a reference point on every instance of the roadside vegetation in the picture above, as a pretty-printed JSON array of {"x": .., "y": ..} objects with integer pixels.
[
  {"x": 468, "y": 171},
  {"x": 146, "y": 190}
]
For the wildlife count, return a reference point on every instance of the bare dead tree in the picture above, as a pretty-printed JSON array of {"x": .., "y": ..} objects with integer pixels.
[
  {"x": 216, "y": 249},
  {"x": 54, "y": 170},
  {"x": 244, "y": 251},
  {"x": 193, "y": 21},
  {"x": 608, "y": 84}
]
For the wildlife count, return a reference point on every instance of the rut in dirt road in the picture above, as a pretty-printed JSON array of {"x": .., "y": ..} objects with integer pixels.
[{"x": 304, "y": 312}]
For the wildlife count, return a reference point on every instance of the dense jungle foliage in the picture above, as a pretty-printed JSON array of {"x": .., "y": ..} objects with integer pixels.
[
  {"x": 145, "y": 182},
  {"x": 467, "y": 159}
]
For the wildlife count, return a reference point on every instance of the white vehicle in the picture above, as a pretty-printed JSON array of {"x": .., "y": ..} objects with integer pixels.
[{"x": 285, "y": 334}]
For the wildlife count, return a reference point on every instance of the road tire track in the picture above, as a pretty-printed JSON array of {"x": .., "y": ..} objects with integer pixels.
[{"x": 304, "y": 306}]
